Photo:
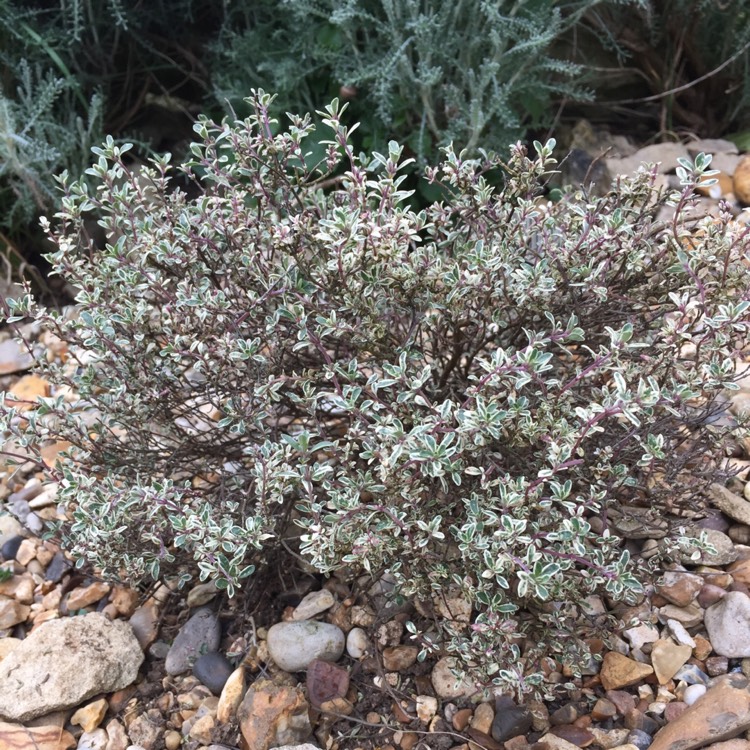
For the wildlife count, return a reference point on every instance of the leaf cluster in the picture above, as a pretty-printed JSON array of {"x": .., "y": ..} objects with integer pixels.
[{"x": 466, "y": 396}]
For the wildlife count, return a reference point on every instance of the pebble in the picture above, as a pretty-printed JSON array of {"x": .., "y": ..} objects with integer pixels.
[
  {"x": 293, "y": 645},
  {"x": 9, "y": 549},
  {"x": 623, "y": 701},
  {"x": 14, "y": 357},
  {"x": 603, "y": 709},
  {"x": 145, "y": 624},
  {"x": 34, "y": 523},
  {"x": 201, "y": 633},
  {"x": 618, "y": 671},
  {"x": 553, "y": 742},
  {"x": 703, "y": 648},
  {"x": 9, "y": 528},
  {"x": 326, "y": 682},
  {"x": 691, "y": 674},
  {"x": 453, "y": 605},
  {"x": 313, "y": 604},
  {"x": 12, "y": 613},
  {"x": 202, "y": 730},
  {"x": 564, "y": 715},
  {"x": 725, "y": 552},
  {"x": 510, "y": 719},
  {"x": 201, "y": 594},
  {"x": 426, "y": 707},
  {"x": 399, "y": 658},
  {"x": 641, "y": 634},
  {"x": 19, "y": 507},
  {"x": 461, "y": 719},
  {"x": 357, "y": 643},
  {"x": 271, "y": 715},
  {"x": 57, "y": 568},
  {"x": 145, "y": 729},
  {"x": 740, "y": 571},
  {"x": 213, "y": 670},
  {"x": 158, "y": 650},
  {"x": 692, "y": 693},
  {"x": 539, "y": 715},
  {"x": 389, "y": 633},
  {"x": 688, "y": 617},
  {"x": 117, "y": 739},
  {"x": 26, "y": 551},
  {"x": 483, "y": 718},
  {"x": 90, "y": 716},
  {"x": 84, "y": 596},
  {"x": 667, "y": 657},
  {"x": 716, "y": 665},
  {"x": 642, "y": 740},
  {"x": 577, "y": 736},
  {"x": 231, "y": 695},
  {"x": 445, "y": 683},
  {"x": 680, "y": 588},
  {"x": 94, "y": 740},
  {"x": 677, "y": 629},
  {"x": 734, "y": 506},
  {"x": 124, "y": 599},
  {"x": 740, "y": 533}
]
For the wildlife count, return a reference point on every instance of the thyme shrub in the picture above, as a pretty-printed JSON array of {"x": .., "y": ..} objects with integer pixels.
[{"x": 465, "y": 397}]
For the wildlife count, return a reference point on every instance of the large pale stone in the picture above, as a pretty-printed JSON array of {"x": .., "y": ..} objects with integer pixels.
[
  {"x": 728, "y": 625},
  {"x": 64, "y": 662},
  {"x": 294, "y": 645},
  {"x": 721, "y": 714}
]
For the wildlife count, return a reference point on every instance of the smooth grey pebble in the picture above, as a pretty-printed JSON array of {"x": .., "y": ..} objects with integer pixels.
[
  {"x": 213, "y": 670},
  {"x": 199, "y": 635},
  {"x": 10, "y": 548},
  {"x": 57, "y": 568}
]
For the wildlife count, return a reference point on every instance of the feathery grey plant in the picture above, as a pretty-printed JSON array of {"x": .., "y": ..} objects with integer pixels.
[
  {"x": 469, "y": 72},
  {"x": 40, "y": 134}
]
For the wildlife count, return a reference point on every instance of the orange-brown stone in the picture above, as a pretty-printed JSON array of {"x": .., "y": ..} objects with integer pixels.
[
  {"x": 618, "y": 671},
  {"x": 272, "y": 715},
  {"x": 742, "y": 180},
  {"x": 84, "y": 596},
  {"x": 27, "y": 389}
]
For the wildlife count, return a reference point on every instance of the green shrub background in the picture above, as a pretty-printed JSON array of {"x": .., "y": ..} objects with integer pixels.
[{"x": 475, "y": 73}]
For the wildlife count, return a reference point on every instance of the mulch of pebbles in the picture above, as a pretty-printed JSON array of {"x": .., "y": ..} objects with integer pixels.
[{"x": 325, "y": 662}]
